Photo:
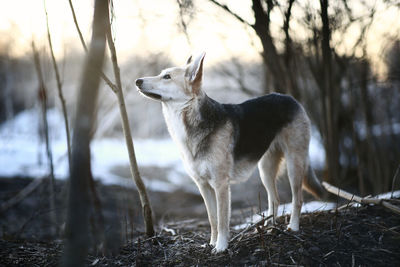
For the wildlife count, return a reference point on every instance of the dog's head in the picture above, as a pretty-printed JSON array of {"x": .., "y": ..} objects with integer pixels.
[{"x": 178, "y": 84}]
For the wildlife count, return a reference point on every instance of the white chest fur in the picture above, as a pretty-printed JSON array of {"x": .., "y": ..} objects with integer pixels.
[{"x": 176, "y": 128}]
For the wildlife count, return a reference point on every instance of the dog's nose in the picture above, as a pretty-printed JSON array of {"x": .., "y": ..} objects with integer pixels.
[{"x": 139, "y": 82}]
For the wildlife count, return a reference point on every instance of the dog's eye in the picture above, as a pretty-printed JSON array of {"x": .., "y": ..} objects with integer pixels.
[{"x": 166, "y": 77}]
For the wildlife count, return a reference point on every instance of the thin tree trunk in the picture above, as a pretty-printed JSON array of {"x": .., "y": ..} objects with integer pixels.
[
  {"x": 78, "y": 203},
  {"x": 146, "y": 207},
  {"x": 42, "y": 95},
  {"x": 60, "y": 93}
]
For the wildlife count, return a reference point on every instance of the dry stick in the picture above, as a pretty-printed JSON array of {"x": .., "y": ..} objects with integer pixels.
[
  {"x": 147, "y": 214},
  {"x": 146, "y": 208},
  {"x": 341, "y": 193},
  {"x": 59, "y": 87},
  {"x": 43, "y": 101}
]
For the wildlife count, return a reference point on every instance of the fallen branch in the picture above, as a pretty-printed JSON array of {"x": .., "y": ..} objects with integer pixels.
[
  {"x": 26, "y": 191},
  {"x": 352, "y": 197}
]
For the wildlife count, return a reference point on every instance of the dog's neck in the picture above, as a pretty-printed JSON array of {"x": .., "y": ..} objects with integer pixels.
[{"x": 189, "y": 123}]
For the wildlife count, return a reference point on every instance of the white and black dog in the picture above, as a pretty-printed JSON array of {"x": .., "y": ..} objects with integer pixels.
[{"x": 223, "y": 143}]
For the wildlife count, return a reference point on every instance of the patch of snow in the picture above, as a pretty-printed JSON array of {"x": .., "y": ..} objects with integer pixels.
[
  {"x": 309, "y": 207},
  {"x": 285, "y": 209},
  {"x": 22, "y": 153}
]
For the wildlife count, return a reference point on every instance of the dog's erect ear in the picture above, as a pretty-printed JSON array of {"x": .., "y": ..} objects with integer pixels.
[
  {"x": 189, "y": 60},
  {"x": 195, "y": 73}
]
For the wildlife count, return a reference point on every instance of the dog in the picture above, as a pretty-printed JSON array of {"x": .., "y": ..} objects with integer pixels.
[{"x": 223, "y": 143}]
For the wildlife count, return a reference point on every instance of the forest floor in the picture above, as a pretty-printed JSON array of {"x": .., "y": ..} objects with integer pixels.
[{"x": 350, "y": 236}]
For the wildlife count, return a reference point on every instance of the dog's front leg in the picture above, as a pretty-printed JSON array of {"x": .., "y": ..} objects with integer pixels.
[
  {"x": 223, "y": 195},
  {"x": 208, "y": 194}
]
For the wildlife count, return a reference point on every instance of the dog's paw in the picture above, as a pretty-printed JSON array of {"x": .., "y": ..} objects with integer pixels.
[
  {"x": 292, "y": 228},
  {"x": 218, "y": 250},
  {"x": 213, "y": 242},
  {"x": 221, "y": 246}
]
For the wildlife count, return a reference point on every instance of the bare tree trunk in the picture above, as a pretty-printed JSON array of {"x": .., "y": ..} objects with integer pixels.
[
  {"x": 60, "y": 93},
  {"x": 78, "y": 201},
  {"x": 42, "y": 95},
  {"x": 329, "y": 98},
  {"x": 146, "y": 207},
  {"x": 273, "y": 61},
  {"x": 270, "y": 54}
]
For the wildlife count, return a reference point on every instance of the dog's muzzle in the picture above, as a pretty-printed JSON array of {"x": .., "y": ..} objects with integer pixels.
[{"x": 139, "y": 83}]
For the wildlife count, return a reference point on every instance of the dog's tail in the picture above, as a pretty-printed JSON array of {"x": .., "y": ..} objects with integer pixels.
[{"x": 312, "y": 185}]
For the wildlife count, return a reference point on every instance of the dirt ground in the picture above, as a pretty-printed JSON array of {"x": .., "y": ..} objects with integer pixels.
[{"x": 351, "y": 236}]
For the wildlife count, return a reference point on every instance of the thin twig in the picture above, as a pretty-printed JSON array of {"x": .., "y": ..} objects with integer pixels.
[{"x": 77, "y": 26}]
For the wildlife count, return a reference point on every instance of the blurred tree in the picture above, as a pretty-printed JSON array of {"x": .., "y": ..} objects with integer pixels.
[{"x": 78, "y": 202}]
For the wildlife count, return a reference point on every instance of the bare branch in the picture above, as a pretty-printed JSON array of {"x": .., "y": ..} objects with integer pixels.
[
  {"x": 77, "y": 25},
  {"x": 226, "y": 8},
  {"x": 103, "y": 76}
]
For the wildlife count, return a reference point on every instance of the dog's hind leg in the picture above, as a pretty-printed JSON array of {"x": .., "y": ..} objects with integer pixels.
[
  {"x": 268, "y": 167},
  {"x": 208, "y": 194}
]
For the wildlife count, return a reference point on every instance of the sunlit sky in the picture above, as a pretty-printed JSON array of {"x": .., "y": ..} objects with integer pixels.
[{"x": 151, "y": 26}]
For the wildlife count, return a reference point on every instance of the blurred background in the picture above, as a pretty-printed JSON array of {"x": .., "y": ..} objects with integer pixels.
[{"x": 340, "y": 59}]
